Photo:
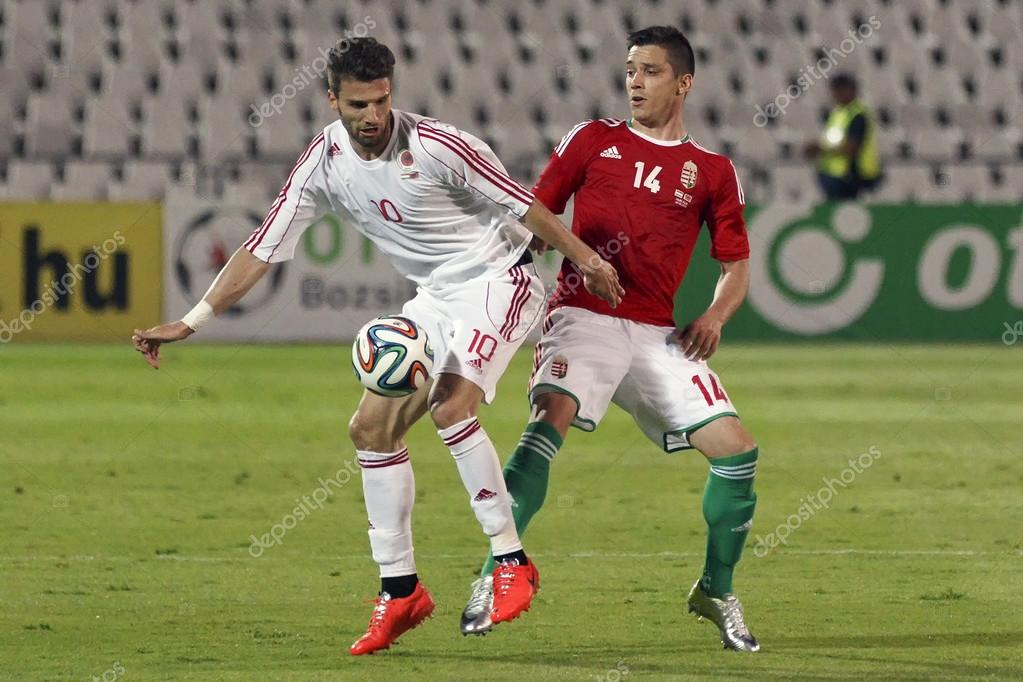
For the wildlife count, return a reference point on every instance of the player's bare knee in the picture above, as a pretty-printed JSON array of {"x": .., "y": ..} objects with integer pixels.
[
  {"x": 448, "y": 411},
  {"x": 371, "y": 435},
  {"x": 453, "y": 400},
  {"x": 556, "y": 409},
  {"x": 722, "y": 438}
]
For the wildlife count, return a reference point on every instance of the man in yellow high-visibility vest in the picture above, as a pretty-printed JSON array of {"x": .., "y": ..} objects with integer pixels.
[{"x": 847, "y": 156}]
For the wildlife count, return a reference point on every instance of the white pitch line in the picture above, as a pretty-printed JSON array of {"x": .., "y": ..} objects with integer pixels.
[{"x": 590, "y": 554}]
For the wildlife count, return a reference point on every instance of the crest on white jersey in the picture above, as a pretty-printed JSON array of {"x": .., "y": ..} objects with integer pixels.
[
  {"x": 689, "y": 175},
  {"x": 408, "y": 164}
]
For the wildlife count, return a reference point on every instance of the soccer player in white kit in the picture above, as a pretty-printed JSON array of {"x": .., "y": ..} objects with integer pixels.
[{"x": 439, "y": 203}]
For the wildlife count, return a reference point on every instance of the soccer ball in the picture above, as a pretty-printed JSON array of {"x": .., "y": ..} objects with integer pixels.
[{"x": 392, "y": 356}]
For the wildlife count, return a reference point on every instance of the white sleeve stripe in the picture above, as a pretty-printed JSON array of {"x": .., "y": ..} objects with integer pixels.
[
  {"x": 563, "y": 145},
  {"x": 498, "y": 179},
  {"x": 738, "y": 184},
  {"x": 260, "y": 232}
]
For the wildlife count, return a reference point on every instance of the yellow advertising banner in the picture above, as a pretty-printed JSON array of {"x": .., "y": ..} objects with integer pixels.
[{"x": 79, "y": 271}]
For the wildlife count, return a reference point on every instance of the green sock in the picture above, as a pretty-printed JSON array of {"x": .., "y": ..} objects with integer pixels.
[
  {"x": 526, "y": 474},
  {"x": 728, "y": 504}
]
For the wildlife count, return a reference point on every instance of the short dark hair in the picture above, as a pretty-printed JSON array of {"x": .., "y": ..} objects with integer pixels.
[
  {"x": 680, "y": 52},
  {"x": 361, "y": 59}
]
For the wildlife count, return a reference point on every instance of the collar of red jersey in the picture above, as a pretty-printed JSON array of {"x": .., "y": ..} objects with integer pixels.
[{"x": 663, "y": 143}]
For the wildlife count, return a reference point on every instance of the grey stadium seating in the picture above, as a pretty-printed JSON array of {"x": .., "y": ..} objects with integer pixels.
[{"x": 130, "y": 99}]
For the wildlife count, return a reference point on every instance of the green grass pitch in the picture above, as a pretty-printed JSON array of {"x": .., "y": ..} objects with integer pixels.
[{"x": 129, "y": 497}]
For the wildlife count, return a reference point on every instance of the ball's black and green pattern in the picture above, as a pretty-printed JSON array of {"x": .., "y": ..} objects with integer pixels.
[{"x": 392, "y": 356}]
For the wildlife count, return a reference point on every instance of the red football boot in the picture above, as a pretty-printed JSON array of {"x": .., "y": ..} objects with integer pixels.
[
  {"x": 392, "y": 618},
  {"x": 514, "y": 587}
]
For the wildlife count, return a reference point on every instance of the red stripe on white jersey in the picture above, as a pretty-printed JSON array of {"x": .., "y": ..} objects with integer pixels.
[
  {"x": 473, "y": 158},
  {"x": 455, "y": 139},
  {"x": 476, "y": 161},
  {"x": 254, "y": 240}
]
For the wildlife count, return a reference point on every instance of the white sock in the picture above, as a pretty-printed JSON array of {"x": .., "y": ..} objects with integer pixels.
[
  {"x": 390, "y": 490},
  {"x": 480, "y": 470}
]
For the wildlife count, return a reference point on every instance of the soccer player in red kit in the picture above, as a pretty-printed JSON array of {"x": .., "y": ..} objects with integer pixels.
[{"x": 643, "y": 188}]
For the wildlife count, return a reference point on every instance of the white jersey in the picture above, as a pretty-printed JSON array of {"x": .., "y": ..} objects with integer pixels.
[{"x": 437, "y": 202}]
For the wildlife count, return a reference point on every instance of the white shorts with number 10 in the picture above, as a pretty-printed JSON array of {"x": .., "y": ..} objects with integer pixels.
[
  {"x": 477, "y": 327},
  {"x": 598, "y": 359}
]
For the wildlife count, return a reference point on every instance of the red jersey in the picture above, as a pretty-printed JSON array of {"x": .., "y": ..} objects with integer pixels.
[{"x": 640, "y": 203}]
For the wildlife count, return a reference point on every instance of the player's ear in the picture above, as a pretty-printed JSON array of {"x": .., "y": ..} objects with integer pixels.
[
  {"x": 332, "y": 99},
  {"x": 685, "y": 84}
]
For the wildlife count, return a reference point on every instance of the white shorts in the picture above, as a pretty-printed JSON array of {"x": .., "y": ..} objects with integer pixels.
[
  {"x": 598, "y": 359},
  {"x": 476, "y": 328}
]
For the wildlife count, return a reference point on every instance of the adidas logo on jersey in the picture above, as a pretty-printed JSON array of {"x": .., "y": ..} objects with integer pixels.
[
  {"x": 611, "y": 153},
  {"x": 335, "y": 150}
]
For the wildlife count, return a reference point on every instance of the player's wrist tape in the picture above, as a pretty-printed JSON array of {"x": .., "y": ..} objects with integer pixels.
[{"x": 198, "y": 316}]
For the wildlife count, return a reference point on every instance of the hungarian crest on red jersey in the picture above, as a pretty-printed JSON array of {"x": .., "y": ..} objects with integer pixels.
[{"x": 688, "y": 175}]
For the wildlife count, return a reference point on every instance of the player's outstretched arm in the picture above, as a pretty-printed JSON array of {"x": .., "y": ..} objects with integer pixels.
[
  {"x": 239, "y": 275},
  {"x": 599, "y": 276},
  {"x": 701, "y": 337}
]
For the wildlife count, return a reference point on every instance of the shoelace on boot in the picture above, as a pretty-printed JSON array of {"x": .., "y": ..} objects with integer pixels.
[
  {"x": 379, "y": 611},
  {"x": 505, "y": 577},
  {"x": 735, "y": 616},
  {"x": 481, "y": 595}
]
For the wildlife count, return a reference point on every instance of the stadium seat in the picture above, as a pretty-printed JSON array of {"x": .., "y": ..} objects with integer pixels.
[
  {"x": 225, "y": 130},
  {"x": 1007, "y": 184},
  {"x": 142, "y": 181},
  {"x": 51, "y": 129},
  {"x": 285, "y": 134},
  {"x": 167, "y": 126},
  {"x": 902, "y": 183},
  {"x": 794, "y": 184},
  {"x": 264, "y": 179},
  {"x": 29, "y": 180},
  {"x": 965, "y": 182},
  {"x": 83, "y": 181},
  {"x": 164, "y": 80},
  {"x": 109, "y": 128},
  {"x": 84, "y": 36}
]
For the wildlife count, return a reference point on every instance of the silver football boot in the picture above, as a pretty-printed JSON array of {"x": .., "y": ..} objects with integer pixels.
[
  {"x": 727, "y": 615},
  {"x": 476, "y": 615}
]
